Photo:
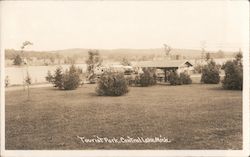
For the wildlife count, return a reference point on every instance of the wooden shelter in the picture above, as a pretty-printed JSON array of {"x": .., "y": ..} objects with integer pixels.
[{"x": 167, "y": 66}]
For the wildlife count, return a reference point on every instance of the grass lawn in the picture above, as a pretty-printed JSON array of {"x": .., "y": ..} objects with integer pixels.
[{"x": 192, "y": 116}]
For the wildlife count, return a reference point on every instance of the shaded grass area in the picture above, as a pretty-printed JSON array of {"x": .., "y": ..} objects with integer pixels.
[{"x": 192, "y": 116}]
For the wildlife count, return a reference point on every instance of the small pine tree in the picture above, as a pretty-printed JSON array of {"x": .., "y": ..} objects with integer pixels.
[
  {"x": 58, "y": 78},
  {"x": 233, "y": 74},
  {"x": 210, "y": 73},
  {"x": 185, "y": 78},
  {"x": 71, "y": 78},
  {"x": 17, "y": 60}
]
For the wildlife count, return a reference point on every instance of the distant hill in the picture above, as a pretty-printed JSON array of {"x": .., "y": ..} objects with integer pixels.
[
  {"x": 189, "y": 53},
  {"x": 115, "y": 54}
]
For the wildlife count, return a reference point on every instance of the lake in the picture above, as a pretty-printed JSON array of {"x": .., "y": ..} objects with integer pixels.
[{"x": 16, "y": 74}]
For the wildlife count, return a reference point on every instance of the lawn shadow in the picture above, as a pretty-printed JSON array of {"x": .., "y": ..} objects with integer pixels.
[
  {"x": 157, "y": 84},
  {"x": 52, "y": 88},
  {"x": 93, "y": 94}
]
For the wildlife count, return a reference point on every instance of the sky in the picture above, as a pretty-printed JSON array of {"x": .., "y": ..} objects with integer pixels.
[{"x": 53, "y": 25}]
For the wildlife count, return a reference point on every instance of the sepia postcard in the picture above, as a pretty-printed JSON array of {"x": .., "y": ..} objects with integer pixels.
[{"x": 124, "y": 78}]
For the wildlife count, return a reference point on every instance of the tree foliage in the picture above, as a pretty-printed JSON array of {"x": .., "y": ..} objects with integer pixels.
[
  {"x": 112, "y": 84},
  {"x": 94, "y": 60},
  {"x": 58, "y": 78},
  {"x": 207, "y": 57},
  {"x": 185, "y": 78},
  {"x": 17, "y": 60},
  {"x": 69, "y": 80},
  {"x": 233, "y": 73},
  {"x": 125, "y": 62},
  {"x": 182, "y": 78},
  {"x": 210, "y": 73},
  {"x": 198, "y": 68},
  {"x": 148, "y": 77},
  {"x": 174, "y": 78},
  {"x": 49, "y": 77}
]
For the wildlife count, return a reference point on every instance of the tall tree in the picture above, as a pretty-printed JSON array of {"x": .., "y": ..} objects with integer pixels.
[
  {"x": 207, "y": 57},
  {"x": 167, "y": 50},
  {"x": 94, "y": 60}
]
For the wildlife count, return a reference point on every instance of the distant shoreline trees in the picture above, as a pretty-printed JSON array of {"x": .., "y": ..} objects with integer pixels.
[{"x": 125, "y": 62}]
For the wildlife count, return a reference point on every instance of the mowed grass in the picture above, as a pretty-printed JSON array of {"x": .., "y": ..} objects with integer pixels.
[{"x": 192, "y": 116}]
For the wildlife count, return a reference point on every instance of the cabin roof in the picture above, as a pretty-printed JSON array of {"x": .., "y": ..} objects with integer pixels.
[{"x": 163, "y": 63}]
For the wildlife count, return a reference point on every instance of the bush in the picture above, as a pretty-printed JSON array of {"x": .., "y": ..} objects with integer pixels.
[
  {"x": 185, "y": 78},
  {"x": 233, "y": 74},
  {"x": 174, "y": 78},
  {"x": 137, "y": 80},
  {"x": 210, "y": 73},
  {"x": 147, "y": 78},
  {"x": 71, "y": 78},
  {"x": 112, "y": 84}
]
